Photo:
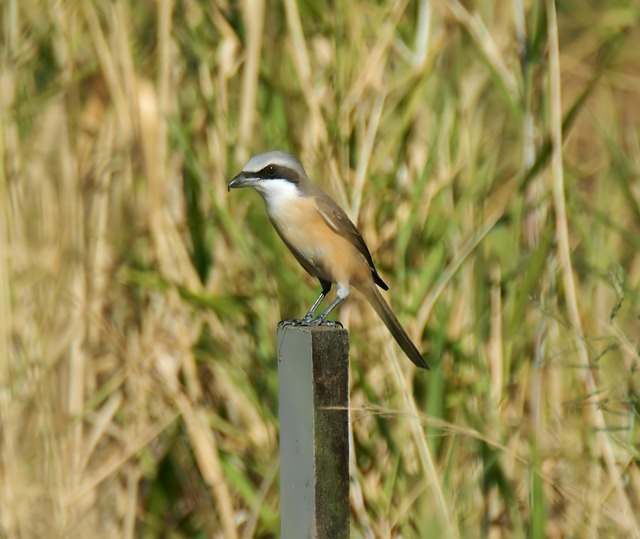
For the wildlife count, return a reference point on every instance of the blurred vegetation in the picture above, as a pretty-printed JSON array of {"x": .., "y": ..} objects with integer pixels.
[{"x": 490, "y": 153}]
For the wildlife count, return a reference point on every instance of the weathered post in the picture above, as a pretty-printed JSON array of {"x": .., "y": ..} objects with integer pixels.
[{"x": 313, "y": 382}]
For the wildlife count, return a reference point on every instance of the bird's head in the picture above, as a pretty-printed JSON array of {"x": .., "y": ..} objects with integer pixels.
[{"x": 270, "y": 173}]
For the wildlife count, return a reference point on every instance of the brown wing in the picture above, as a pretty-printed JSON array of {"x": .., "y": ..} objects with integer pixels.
[{"x": 340, "y": 223}]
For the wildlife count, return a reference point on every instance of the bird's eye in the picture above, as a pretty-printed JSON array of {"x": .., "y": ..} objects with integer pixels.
[{"x": 270, "y": 170}]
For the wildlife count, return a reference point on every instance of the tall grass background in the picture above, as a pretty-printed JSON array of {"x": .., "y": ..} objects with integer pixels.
[{"x": 488, "y": 151}]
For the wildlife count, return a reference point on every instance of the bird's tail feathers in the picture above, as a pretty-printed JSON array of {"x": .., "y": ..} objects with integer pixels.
[{"x": 399, "y": 334}]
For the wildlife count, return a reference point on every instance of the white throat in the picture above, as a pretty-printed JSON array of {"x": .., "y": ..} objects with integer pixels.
[{"x": 277, "y": 194}]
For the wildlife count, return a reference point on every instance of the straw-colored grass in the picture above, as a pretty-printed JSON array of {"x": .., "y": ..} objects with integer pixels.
[{"x": 490, "y": 153}]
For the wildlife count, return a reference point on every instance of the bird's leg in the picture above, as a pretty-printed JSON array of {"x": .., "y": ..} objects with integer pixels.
[
  {"x": 308, "y": 318},
  {"x": 343, "y": 293}
]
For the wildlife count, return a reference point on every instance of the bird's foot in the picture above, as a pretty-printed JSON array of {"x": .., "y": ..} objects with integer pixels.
[
  {"x": 298, "y": 322},
  {"x": 308, "y": 321},
  {"x": 330, "y": 324}
]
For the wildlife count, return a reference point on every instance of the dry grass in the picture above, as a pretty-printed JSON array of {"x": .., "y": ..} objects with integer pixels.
[{"x": 489, "y": 152}]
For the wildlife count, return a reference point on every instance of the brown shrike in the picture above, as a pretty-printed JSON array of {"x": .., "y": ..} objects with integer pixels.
[{"x": 322, "y": 238}]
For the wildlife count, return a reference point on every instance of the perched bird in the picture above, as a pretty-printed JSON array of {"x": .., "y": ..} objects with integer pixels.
[{"x": 321, "y": 237}]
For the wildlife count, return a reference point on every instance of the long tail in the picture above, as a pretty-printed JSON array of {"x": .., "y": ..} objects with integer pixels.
[{"x": 399, "y": 334}]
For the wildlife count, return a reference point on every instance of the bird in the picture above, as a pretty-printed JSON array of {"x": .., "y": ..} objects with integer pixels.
[{"x": 322, "y": 238}]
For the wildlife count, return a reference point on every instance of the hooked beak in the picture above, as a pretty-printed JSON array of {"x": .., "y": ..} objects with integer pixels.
[{"x": 241, "y": 180}]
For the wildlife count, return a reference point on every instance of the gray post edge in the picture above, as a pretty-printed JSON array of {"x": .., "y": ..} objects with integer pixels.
[{"x": 313, "y": 385}]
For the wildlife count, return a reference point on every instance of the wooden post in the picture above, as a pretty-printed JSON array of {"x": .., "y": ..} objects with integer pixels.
[{"x": 313, "y": 383}]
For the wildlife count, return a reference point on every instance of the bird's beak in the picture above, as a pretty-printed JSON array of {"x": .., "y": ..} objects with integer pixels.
[{"x": 241, "y": 180}]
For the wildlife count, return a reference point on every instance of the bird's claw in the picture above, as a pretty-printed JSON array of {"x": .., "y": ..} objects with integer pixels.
[
  {"x": 330, "y": 324},
  {"x": 298, "y": 322},
  {"x": 310, "y": 322}
]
